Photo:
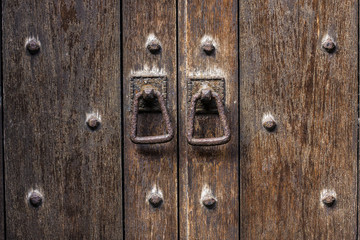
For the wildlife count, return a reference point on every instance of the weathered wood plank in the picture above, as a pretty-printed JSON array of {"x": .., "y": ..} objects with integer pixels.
[
  {"x": 209, "y": 171},
  {"x": 2, "y": 196},
  {"x": 312, "y": 95},
  {"x": 150, "y": 168},
  {"x": 48, "y": 146}
]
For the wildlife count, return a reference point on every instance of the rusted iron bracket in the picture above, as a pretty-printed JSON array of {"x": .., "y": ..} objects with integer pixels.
[
  {"x": 216, "y": 84},
  {"x": 159, "y": 83}
]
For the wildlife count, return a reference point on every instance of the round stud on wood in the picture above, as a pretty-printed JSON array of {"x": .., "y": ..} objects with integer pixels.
[
  {"x": 208, "y": 47},
  {"x": 35, "y": 199},
  {"x": 33, "y": 45},
  {"x": 155, "y": 200},
  {"x": 209, "y": 202},
  {"x": 328, "y": 44},
  {"x": 154, "y": 46},
  {"x": 268, "y": 122},
  {"x": 93, "y": 122},
  {"x": 329, "y": 200}
]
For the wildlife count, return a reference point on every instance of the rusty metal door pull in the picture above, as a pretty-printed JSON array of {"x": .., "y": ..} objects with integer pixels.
[
  {"x": 206, "y": 94},
  {"x": 149, "y": 93}
]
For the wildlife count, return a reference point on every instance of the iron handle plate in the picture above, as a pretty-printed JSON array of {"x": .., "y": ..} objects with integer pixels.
[
  {"x": 224, "y": 122},
  {"x": 150, "y": 139}
]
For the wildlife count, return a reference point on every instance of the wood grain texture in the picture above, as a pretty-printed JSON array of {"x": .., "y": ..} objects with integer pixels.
[
  {"x": 48, "y": 146},
  {"x": 2, "y": 196},
  {"x": 313, "y": 97},
  {"x": 211, "y": 169},
  {"x": 149, "y": 167}
]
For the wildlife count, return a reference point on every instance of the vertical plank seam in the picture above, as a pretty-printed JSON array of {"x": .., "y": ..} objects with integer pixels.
[
  {"x": 2, "y": 127},
  {"x": 358, "y": 115},
  {"x": 239, "y": 120},
  {"x": 122, "y": 121}
]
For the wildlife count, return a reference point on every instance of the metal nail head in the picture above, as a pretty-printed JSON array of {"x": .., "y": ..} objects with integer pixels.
[
  {"x": 208, "y": 47},
  {"x": 155, "y": 200},
  {"x": 209, "y": 202},
  {"x": 328, "y": 44},
  {"x": 329, "y": 200},
  {"x": 93, "y": 122},
  {"x": 154, "y": 46},
  {"x": 33, "y": 46},
  {"x": 35, "y": 199}
]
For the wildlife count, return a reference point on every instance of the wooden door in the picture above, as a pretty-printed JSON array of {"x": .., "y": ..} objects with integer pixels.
[{"x": 179, "y": 119}]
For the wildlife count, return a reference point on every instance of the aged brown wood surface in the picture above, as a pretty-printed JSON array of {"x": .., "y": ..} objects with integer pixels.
[
  {"x": 2, "y": 196},
  {"x": 150, "y": 170},
  {"x": 48, "y": 146},
  {"x": 312, "y": 95},
  {"x": 298, "y": 181},
  {"x": 208, "y": 171}
]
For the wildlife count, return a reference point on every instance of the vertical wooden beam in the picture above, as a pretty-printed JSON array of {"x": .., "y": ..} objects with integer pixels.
[
  {"x": 150, "y": 170},
  {"x": 2, "y": 183},
  {"x": 358, "y": 115},
  {"x": 48, "y": 96},
  {"x": 209, "y": 171},
  {"x": 312, "y": 96},
  {"x": 2, "y": 170}
]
